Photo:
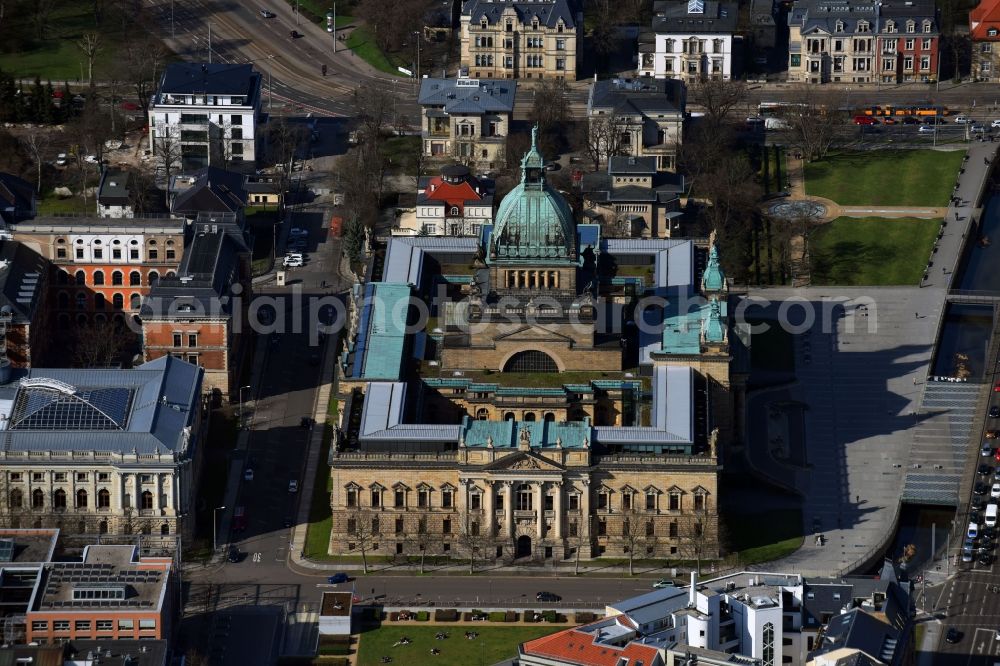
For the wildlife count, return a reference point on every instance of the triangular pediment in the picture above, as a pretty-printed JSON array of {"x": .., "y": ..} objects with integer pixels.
[
  {"x": 526, "y": 462},
  {"x": 533, "y": 333}
]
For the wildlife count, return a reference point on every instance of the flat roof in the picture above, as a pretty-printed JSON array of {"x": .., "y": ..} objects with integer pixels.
[
  {"x": 336, "y": 604},
  {"x": 109, "y": 578},
  {"x": 32, "y": 546}
]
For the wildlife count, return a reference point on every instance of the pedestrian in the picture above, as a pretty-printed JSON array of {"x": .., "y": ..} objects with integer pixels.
[
  {"x": 857, "y": 499},
  {"x": 917, "y": 315}
]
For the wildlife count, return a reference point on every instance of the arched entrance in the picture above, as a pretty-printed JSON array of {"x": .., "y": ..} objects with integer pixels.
[{"x": 523, "y": 547}]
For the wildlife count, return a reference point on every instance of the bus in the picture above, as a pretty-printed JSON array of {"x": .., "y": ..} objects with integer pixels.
[
  {"x": 239, "y": 519},
  {"x": 891, "y": 110}
]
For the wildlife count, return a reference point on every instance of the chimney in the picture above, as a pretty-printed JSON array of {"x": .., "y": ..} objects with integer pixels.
[{"x": 692, "y": 602}]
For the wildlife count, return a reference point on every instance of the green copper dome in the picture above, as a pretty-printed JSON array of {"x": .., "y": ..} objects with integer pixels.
[{"x": 533, "y": 221}]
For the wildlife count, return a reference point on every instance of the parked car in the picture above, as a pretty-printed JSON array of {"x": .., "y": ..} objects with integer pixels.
[
  {"x": 865, "y": 120},
  {"x": 293, "y": 486},
  {"x": 61, "y": 159},
  {"x": 248, "y": 475},
  {"x": 995, "y": 412},
  {"x": 986, "y": 559},
  {"x": 911, "y": 120},
  {"x": 547, "y": 597},
  {"x": 339, "y": 577},
  {"x": 995, "y": 491},
  {"x": 980, "y": 489},
  {"x": 266, "y": 14},
  {"x": 978, "y": 129},
  {"x": 292, "y": 262},
  {"x": 889, "y": 121},
  {"x": 987, "y": 450},
  {"x": 967, "y": 554},
  {"x": 978, "y": 504},
  {"x": 963, "y": 119},
  {"x": 664, "y": 582},
  {"x": 985, "y": 469},
  {"x": 995, "y": 124},
  {"x": 992, "y": 434},
  {"x": 953, "y": 635},
  {"x": 295, "y": 34},
  {"x": 925, "y": 129},
  {"x": 972, "y": 531},
  {"x": 235, "y": 555}
]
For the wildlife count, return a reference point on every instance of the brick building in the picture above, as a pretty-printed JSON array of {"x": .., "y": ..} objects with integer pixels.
[
  {"x": 112, "y": 594},
  {"x": 200, "y": 314},
  {"x": 984, "y": 32},
  {"x": 511, "y": 431}
]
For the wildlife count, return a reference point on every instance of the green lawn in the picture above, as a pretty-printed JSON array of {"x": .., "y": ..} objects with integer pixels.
[
  {"x": 50, "y": 204},
  {"x": 320, "y": 519},
  {"x": 57, "y": 57},
  {"x": 762, "y": 537},
  {"x": 493, "y": 644},
  {"x": 318, "y": 9},
  {"x": 871, "y": 251},
  {"x": 363, "y": 44},
  {"x": 885, "y": 178}
]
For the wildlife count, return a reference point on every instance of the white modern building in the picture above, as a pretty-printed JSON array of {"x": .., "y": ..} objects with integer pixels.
[
  {"x": 692, "y": 41},
  {"x": 206, "y": 114}
]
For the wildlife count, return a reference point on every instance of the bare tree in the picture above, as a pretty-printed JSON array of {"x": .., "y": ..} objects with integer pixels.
[
  {"x": 811, "y": 123},
  {"x": 36, "y": 141},
  {"x": 166, "y": 149},
  {"x": 141, "y": 192},
  {"x": 363, "y": 530},
  {"x": 474, "y": 539},
  {"x": 41, "y": 14},
  {"x": 99, "y": 345},
  {"x": 697, "y": 540},
  {"x": 636, "y": 534},
  {"x": 284, "y": 139},
  {"x": 420, "y": 540},
  {"x": 603, "y": 137},
  {"x": 146, "y": 58},
  {"x": 719, "y": 97},
  {"x": 91, "y": 46}
]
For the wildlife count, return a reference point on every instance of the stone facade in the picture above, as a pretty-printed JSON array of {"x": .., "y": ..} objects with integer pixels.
[{"x": 524, "y": 504}]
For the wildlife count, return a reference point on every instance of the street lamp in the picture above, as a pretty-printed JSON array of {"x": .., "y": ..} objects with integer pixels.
[
  {"x": 215, "y": 542},
  {"x": 242, "y": 388},
  {"x": 416, "y": 74}
]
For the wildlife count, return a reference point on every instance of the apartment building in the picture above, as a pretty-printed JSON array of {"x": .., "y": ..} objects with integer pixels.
[
  {"x": 24, "y": 319},
  {"x": 892, "y": 41},
  {"x": 453, "y": 203},
  {"x": 692, "y": 41},
  {"x": 632, "y": 199},
  {"x": 984, "y": 32},
  {"x": 521, "y": 39},
  {"x": 206, "y": 114},
  {"x": 466, "y": 119},
  {"x": 101, "y": 451}
]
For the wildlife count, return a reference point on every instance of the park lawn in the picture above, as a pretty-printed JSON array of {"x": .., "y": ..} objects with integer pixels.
[
  {"x": 363, "y": 44},
  {"x": 885, "y": 177},
  {"x": 763, "y": 537},
  {"x": 318, "y": 9},
  {"x": 871, "y": 251},
  {"x": 50, "y": 204},
  {"x": 492, "y": 645},
  {"x": 57, "y": 57}
]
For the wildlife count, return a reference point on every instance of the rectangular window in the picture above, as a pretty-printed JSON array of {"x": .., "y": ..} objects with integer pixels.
[
  {"x": 79, "y": 253},
  {"x": 237, "y": 133},
  {"x": 908, "y": 63},
  {"x": 153, "y": 254},
  {"x": 116, "y": 253},
  {"x": 236, "y": 119},
  {"x": 498, "y": 502},
  {"x": 81, "y": 476},
  {"x": 103, "y": 476},
  {"x": 146, "y": 478},
  {"x": 400, "y": 499},
  {"x": 147, "y": 624},
  {"x": 908, "y": 45},
  {"x": 61, "y": 253},
  {"x": 602, "y": 501},
  {"x": 126, "y": 625},
  {"x": 38, "y": 477},
  {"x": 446, "y": 526},
  {"x": 15, "y": 476},
  {"x": 626, "y": 501},
  {"x": 602, "y": 527},
  {"x": 105, "y": 625},
  {"x": 192, "y": 339},
  {"x": 561, "y": 44},
  {"x": 925, "y": 44},
  {"x": 925, "y": 63},
  {"x": 574, "y": 503},
  {"x": 699, "y": 502},
  {"x": 133, "y": 254},
  {"x": 177, "y": 339},
  {"x": 675, "y": 502},
  {"x": 422, "y": 499},
  {"x": 170, "y": 254},
  {"x": 98, "y": 253},
  {"x": 650, "y": 501},
  {"x": 446, "y": 499},
  {"x": 82, "y": 625},
  {"x": 60, "y": 625},
  {"x": 236, "y": 148},
  {"x": 40, "y": 625},
  {"x": 399, "y": 526},
  {"x": 60, "y": 476},
  {"x": 560, "y": 64},
  {"x": 475, "y": 501},
  {"x": 376, "y": 497},
  {"x": 352, "y": 498}
]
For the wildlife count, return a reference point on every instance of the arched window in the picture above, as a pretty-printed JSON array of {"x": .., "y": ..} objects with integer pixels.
[
  {"x": 549, "y": 417},
  {"x": 100, "y": 319},
  {"x": 171, "y": 274},
  {"x": 134, "y": 279},
  {"x": 117, "y": 278},
  {"x": 81, "y": 320},
  {"x": 118, "y": 301},
  {"x": 154, "y": 277},
  {"x": 81, "y": 301},
  {"x": 62, "y": 277},
  {"x": 81, "y": 499},
  {"x": 16, "y": 499},
  {"x": 135, "y": 301},
  {"x": 103, "y": 499},
  {"x": 98, "y": 278},
  {"x": 164, "y": 529},
  {"x": 509, "y": 416},
  {"x": 482, "y": 414},
  {"x": 63, "y": 300},
  {"x": 454, "y": 210},
  {"x": 529, "y": 416},
  {"x": 37, "y": 499},
  {"x": 531, "y": 360},
  {"x": 59, "y": 499},
  {"x": 147, "y": 500},
  {"x": 80, "y": 277},
  {"x": 99, "y": 302}
]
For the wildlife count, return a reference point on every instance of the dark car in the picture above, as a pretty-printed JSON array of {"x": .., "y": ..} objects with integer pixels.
[
  {"x": 986, "y": 559},
  {"x": 995, "y": 412},
  {"x": 981, "y": 489},
  {"x": 911, "y": 120},
  {"x": 339, "y": 577},
  {"x": 978, "y": 504},
  {"x": 295, "y": 34},
  {"x": 235, "y": 555},
  {"x": 974, "y": 517},
  {"x": 547, "y": 596},
  {"x": 993, "y": 434},
  {"x": 989, "y": 531},
  {"x": 953, "y": 635},
  {"x": 985, "y": 469}
]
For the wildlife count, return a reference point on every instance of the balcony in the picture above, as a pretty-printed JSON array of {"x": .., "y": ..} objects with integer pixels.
[{"x": 525, "y": 515}]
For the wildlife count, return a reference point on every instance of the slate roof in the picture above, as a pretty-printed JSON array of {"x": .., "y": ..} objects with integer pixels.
[
  {"x": 490, "y": 96},
  {"x": 860, "y": 630},
  {"x": 548, "y": 11},
  {"x": 187, "y": 78},
  {"x": 17, "y": 196},
  {"x": 674, "y": 17},
  {"x": 22, "y": 278},
  {"x": 162, "y": 400},
  {"x": 644, "y": 96},
  {"x": 215, "y": 190},
  {"x": 823, "y": 15}
]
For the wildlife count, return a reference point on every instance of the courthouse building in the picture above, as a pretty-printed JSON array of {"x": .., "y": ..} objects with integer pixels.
[{"x": 529, "y": 419}]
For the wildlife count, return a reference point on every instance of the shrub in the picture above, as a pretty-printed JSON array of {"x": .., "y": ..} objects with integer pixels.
[
  {"x": 423, "y": 616},
  {"x": 550, "y": 615},
  {"x": 446, "y": 615},
  {"x": 498, "y": 616},
  {"x": 583, "y": 618},
  {"x": 529, "y": 616},
  {"x": 511, "y": 616},
  {"x": 393, "y": 617}
]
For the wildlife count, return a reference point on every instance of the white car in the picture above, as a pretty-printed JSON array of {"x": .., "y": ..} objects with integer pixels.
[
  {"x": 61, "y": 159},
  {"x": 295, "y": 231},
  {"x": 292, "y": 262},
  {"x": 248, "y": 475},
  {"x": 995, "y": 124},
  {"x": 995, "y": 490},
  {"x": 963, "y": 120},
  {"x": 293, "y": 486},
  {"x": 90, "y": 159},
  {"x": 925, "y": 129}
]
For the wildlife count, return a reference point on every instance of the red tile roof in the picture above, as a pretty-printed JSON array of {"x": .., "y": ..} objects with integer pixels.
[
  {"x": 453, "y": 195},
  {"x": 984, "y": 16},
  {"x": 573, "y": 646}
]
